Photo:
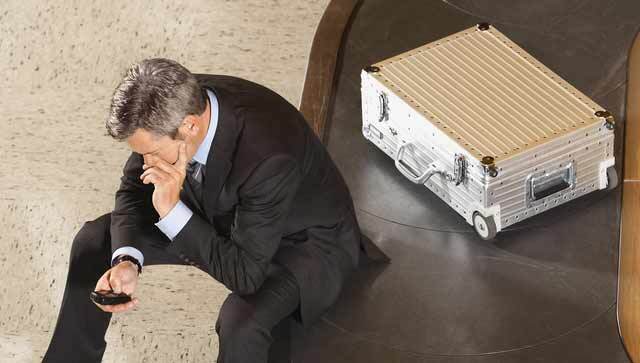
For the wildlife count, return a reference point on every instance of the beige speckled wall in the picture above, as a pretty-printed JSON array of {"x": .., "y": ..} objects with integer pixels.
[{"x": 59, "y": 63}]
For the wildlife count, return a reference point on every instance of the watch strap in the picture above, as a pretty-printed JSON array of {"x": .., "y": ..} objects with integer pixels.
[{"x": 121, "y": 258}]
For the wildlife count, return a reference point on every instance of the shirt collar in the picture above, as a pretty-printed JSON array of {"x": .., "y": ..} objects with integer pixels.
[{"x": 203, "y": 150}]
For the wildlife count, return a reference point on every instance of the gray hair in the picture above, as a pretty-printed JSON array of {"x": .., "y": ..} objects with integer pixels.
[{"x": 156, "y": 95}]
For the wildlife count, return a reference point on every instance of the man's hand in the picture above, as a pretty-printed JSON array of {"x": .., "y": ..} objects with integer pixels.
[
  {"x": 166, "y": 178},
  {"x": 122, "y": 277}
]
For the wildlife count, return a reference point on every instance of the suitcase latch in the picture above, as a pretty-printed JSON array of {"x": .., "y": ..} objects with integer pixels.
[{"x": 459, "y": 169}]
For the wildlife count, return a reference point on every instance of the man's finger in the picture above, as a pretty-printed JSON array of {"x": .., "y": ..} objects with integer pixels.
[
  {"x": 123, "y": 307},
  {"x": 117, "y": 308},
  {"x": 98, "y": 305},
  {"x": 160, "y": 174},
  {"x": 116, "y": 286},
  {"x": 130, "y": 287},
  {"x": 107, "y": 308},
  {"x": 155, "y": 176},
  {"x": 157, "y": 168},
  {"x": 103, "y": 282},
  {"x": 181, "y": 164},
  {"x": 165, "y": 166}
]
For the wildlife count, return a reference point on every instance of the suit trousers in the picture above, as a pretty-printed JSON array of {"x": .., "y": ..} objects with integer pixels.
[{"x": 250, "y": 328}]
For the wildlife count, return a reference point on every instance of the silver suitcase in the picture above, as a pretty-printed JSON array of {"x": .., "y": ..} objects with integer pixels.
[{"x": 489, "y": 129}]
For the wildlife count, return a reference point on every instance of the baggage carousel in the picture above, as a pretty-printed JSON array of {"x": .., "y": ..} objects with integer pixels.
[{"x": 545, "y": 289}]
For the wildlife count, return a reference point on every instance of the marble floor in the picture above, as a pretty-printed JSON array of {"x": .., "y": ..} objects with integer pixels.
[{"x": 59, "y": 63}]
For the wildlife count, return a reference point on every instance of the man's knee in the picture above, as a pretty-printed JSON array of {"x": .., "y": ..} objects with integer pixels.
[
  {"x": 236, "y": 321},
  {"x": 90, "y": 245}
]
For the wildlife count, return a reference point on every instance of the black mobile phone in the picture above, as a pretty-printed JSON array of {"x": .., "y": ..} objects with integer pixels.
[{"x": 108, "y": 297}]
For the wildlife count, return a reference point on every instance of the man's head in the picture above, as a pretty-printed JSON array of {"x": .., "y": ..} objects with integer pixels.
[{"x": 158, "y": 104}]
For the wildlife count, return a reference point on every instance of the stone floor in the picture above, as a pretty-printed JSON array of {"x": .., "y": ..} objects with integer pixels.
[{"x": 59, "y": 63}]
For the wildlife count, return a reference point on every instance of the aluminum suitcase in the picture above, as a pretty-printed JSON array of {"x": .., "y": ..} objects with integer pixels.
[{"x": 493, "y": 132}]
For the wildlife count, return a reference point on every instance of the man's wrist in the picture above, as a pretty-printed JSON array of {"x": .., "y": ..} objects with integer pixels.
[
  {"x": 174, "y": 221},
  {"x": 128, "y": 263},
  {"x": 167, "y": 210},
  {"x": 131, "y": 259}
]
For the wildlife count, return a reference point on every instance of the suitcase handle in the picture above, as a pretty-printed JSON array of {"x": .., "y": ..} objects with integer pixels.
[
  {"x": 409, "y": 173},
  {"x": 384, "y": 107},
  {"x": 546, "y": 185}
]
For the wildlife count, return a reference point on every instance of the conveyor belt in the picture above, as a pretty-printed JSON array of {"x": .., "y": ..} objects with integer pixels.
[{"x": 545, "y": 290}]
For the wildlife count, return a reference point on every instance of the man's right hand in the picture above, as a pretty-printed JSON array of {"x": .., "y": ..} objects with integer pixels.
[{"x": 122, "y": 277}]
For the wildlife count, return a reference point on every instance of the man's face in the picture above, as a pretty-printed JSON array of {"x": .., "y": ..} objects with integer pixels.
[{"x": 145, "y": 143}]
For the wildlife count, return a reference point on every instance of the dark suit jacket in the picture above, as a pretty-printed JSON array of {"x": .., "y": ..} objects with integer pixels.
[{"x": 271, "y": 194}]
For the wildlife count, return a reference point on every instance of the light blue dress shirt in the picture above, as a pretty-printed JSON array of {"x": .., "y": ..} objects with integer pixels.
[{"x": 176, "y": 219}]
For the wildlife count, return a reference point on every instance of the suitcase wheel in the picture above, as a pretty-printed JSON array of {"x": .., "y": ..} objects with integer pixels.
[
  {"x": 612, "y": 178},
  {"x": 485, "y": 226}
]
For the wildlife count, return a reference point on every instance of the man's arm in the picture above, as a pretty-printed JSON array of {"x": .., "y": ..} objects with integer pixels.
[
  {"x": 241, "y": 260},
  {"x": 133, "y": 215}
]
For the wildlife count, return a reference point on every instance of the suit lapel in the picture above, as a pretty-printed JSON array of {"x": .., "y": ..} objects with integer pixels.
[
  {"x": 188, "y": 196},
  {"x": 221, "y": 152}
]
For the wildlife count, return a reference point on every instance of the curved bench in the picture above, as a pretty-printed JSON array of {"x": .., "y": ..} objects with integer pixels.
[{"x": 629, "y": 270}]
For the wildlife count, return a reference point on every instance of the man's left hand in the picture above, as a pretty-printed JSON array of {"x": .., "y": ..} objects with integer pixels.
[{"x": 166, "y": 178}]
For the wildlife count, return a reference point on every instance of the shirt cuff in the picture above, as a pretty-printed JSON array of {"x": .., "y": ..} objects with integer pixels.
[
  {"x": 175, "y": 220},
  {"x": 128, "y": 250}
]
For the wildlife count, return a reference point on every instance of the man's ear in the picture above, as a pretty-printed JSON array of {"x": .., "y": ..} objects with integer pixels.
[{"x": 190, "y": 125}]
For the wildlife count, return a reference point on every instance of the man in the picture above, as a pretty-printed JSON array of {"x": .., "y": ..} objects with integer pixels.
[{"x": 227, "y": 176}]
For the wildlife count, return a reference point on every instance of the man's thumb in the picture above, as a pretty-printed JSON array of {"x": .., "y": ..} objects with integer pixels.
[{"x": 116, "y": 285}]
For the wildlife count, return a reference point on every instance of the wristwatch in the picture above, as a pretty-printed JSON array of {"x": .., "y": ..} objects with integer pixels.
[{"x": 121, "y": 258}]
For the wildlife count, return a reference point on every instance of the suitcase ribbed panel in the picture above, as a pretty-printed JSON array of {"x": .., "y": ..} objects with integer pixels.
[
  {"x": 488, "y": 94},
  {"x": 586, "y": 150}
]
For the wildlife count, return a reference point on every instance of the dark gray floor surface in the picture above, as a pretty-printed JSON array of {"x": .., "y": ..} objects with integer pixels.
[{"x": 545, "y": 290}]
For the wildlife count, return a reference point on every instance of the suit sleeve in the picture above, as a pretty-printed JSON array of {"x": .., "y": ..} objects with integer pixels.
[
  {"x": 128, "y": 250},
  {"x": 133, "y": 217},
  {"x": 240, "y": 261}
]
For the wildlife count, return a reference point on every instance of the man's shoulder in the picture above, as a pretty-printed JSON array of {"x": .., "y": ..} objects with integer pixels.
[
  {"x": 227, "y": 82},
  {"x": 248, "y": 99}
]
